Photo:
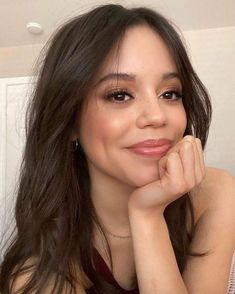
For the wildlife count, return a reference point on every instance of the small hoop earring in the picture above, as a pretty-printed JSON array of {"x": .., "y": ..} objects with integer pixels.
[{"x": 76, "y": 144}]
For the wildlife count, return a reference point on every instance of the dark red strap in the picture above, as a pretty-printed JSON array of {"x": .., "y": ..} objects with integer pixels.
[{"x": 104, "y": 270}]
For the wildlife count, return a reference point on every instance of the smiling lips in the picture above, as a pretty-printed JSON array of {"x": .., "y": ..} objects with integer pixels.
[{"x": 152, "y": 147}]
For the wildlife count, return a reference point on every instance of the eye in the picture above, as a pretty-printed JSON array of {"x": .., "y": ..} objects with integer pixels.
[
  {"x": 119, "y": 96},
  {"x": 172, "y": 95}
]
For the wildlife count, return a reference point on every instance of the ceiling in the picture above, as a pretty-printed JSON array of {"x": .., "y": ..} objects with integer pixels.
[{"x": 187, "y": 14}]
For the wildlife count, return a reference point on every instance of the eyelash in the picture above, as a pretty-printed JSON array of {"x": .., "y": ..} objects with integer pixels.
[{"x": 111, "y": 95}]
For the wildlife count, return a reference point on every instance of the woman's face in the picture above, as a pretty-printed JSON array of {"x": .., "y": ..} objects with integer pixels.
[{"x": 135, "y": 107}]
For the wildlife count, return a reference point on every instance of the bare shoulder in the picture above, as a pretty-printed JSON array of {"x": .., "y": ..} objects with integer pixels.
[
  {"x": 214, "y": 200},
  {"x": 216, "y": 192},
  {"x": 21, "y": 281},
  {"x": 217, "y": 176},
  {"x": 218, "y": 187}
]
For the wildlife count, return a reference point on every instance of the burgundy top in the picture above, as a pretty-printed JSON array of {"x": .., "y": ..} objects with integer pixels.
[{"x": 106, "y": 273}]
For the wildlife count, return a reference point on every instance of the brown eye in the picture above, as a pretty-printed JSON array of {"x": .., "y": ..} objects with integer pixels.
[
  {"x": 120, "y": 96},
  {"x": 172, "y": 95}
]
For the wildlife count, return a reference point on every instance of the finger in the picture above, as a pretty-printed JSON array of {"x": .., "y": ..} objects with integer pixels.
[
  {"x": 178, "y": 145},
  {"x": 201, "y": 155},
  {"x": 188, "y": 161},
  {"x": 198, "y": 168},
  {"x": 163, "y": 165},
  {"x": 175, "y": 174}
]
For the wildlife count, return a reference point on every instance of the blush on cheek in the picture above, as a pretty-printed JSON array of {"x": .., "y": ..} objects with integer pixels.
[
  {"x": 96, "y": 130},
  {"x": 181, "y": 122},
  {"x": 112, "y": 126}
]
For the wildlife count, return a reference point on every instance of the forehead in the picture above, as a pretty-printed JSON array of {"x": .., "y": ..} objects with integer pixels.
[{"x": 140, "y": 51}]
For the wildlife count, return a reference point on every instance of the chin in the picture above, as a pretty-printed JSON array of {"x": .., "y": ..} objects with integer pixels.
[{"x": 140, "y": 181}]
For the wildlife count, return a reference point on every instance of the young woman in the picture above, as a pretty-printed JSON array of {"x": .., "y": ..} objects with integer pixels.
[{"x": 114, "y": 195}]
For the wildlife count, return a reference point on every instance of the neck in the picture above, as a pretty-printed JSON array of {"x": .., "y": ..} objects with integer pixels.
[{"x": 110, "y": 199}]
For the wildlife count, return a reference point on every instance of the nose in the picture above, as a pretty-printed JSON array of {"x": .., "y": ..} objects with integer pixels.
[{"x": 151, "y": 113}]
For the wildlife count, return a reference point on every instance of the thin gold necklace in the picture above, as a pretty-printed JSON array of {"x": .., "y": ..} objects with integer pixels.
[{"x": 116, "y": 236}]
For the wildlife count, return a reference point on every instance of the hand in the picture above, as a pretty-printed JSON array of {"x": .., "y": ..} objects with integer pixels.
[{"x": 180, "y": 170}]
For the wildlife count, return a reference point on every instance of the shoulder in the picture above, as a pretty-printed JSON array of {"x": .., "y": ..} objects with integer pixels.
[
  {"x": 215, "y": 193},
  {"x": 216, "y": 178},
  {"x": 219, "y": 188},
  {"x": 214, "y": 201}
]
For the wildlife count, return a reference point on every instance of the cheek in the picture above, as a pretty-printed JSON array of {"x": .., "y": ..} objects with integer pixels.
[
  {"x": 179, "y": 121},
  {"x": 100, "y": 127}
]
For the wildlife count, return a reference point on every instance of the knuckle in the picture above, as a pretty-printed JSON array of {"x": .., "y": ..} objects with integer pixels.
[
  {"x": 200, "y": 177},
  {"x": 189, "y": 138},
  {"x": 179, "y": 187},
  {"x": 191, "y": 185},
  {"x": 173, "y": 155},
  {"x": 198, "y": 140},
  {"x": 187, "y": 145}
]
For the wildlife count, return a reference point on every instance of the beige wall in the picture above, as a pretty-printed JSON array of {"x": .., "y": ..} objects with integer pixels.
[
  {"x": 212, "y": 52},
  {"x": 18, "y": 61},
  {"x": 203, "y": 46}
]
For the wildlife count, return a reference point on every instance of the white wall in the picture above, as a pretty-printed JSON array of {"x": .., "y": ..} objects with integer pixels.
[
  {"x": 213, "y": 55},
  {"x": 18, "y": 61},
  {"x": 13, "y": 101}
]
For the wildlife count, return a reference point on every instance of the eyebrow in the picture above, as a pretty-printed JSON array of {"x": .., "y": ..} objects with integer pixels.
[{"x": 131, "y": 77}]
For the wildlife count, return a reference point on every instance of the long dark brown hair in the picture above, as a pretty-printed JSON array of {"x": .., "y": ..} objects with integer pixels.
[{"x": 54, "y": 213}]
